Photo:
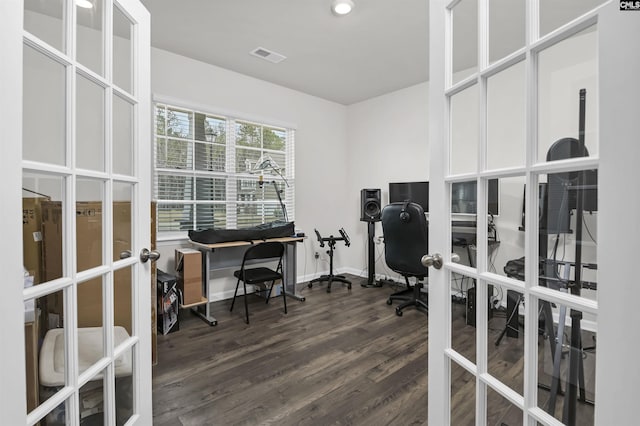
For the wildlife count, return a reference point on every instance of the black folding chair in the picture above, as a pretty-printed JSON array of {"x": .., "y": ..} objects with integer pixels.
[{"x": 259, "y": 275}]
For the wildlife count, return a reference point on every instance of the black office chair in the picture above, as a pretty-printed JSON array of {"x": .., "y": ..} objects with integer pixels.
[
  {"x": 260, "y": 275},
  {"x": 406, "y": 234}
]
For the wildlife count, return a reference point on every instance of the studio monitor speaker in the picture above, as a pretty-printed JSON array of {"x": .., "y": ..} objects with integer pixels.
[{"x": 370, "y": 206}]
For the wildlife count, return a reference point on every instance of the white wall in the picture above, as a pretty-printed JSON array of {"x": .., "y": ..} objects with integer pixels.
[
  {"x": 387, "y": 142},
  {"x": 321, "y": 138}
]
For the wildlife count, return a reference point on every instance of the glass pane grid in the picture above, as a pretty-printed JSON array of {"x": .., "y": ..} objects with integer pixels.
[
  {"x": 211, "y": 216},
  {"x": 175, "y": 217},
  {"x": 175, "y": 187},
  {"x": 195, "y": 143},
  {"x": 210, "y": 157}
]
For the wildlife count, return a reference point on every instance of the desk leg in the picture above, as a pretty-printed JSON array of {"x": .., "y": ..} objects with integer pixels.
[
  {"x": 289, "y": 271},
  {"x": 205, "y": 313}
]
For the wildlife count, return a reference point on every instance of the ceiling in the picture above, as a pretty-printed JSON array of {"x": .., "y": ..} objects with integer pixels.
[
  {"x": 379, "y": 48},
  {"x": 382, "y": 46}
]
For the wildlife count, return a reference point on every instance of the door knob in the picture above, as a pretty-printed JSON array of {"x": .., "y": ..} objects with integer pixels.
[
  {"x": 125, "y": 254},
  {"x": 435, "y": 260},
  {"x": 145, "y": 255}
]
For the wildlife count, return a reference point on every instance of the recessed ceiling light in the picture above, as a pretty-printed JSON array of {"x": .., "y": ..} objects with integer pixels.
[
  {"x": 341, "y": 7},
  {"x": 85, "y": 4}
]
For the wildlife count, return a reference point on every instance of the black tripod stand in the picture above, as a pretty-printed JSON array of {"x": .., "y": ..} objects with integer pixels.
[{"x": 331, "y": 241}]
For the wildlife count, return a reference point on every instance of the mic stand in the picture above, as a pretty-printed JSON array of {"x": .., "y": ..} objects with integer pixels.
[
  {"x": 284, "y": 208},
  {"x": 371, "y": 268},
  {"x": 576, "y": 372}
]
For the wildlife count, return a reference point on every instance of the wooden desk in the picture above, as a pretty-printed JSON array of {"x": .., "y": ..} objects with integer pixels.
[{"x": 288, "y": 268}]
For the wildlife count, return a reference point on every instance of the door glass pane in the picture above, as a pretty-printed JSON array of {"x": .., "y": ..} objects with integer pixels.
[
  {"x": 122, "y": 136},
  {"x": 122, "y": 299},
  {"x": 463, "y": 396},
  {"x": 44, "y": 111},
  {"x": 464, "y": 131},
  {"x": 122, "y": 193},
  {"x": 45, "y": 346},
  {"x": 506, "y": 236},
  {"x": 505, "y": 346},
  {"x": 92, "y": 401},
  {"x": 506, "y": 27},
  {"x": 90, "y": 36},
  {"x": 42, "y": 226},
  {"x": 563, "y": 70},
  {"x": 464, "y": 207},
  {"x": 45, "y": 20},
  {"x": 568, "y": 232},
  {"x": 506, "y": 117},
  {"x": 89, "y": 223},
  {"x": 567, "y": 342},
  {"x": 463, "y": 316},
  {"x": 122, "y": 50},
  {"x": 500, "y": 411},
  {"x": 58, "y": 416},
  {"x": 124, "y": 391},
  {"x": 554, "y": 13},
  {"x": 91, "y": 304},
  {"x": 90, "y": 128},
  {"x": 465, "y": 40}
]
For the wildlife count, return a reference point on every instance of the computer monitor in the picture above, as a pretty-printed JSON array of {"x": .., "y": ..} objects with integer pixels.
[
  {"x": 464, "y": 198},
  {"x": 417, "y": 192}
]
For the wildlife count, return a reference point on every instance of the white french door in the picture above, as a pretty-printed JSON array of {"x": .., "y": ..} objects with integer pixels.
[
  {"x": 539, "y": 96},
  {"x": 77, "y": 169}
]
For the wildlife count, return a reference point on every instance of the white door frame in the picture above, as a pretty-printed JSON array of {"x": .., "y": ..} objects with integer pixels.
[
  {"x": 12, "y": 398},
  {"x": 13, "y": 402},
  {"x": 617, "y": 371}
]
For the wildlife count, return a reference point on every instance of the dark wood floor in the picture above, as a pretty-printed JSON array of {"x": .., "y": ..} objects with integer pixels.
[{"x": 339, "y": 358}]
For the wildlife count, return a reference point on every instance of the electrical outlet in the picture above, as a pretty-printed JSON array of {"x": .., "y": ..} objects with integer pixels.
[{"x": 316, "y": 255}]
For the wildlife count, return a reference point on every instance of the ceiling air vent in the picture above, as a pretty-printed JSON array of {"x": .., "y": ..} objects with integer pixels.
[{"x": 268, "y": 55}]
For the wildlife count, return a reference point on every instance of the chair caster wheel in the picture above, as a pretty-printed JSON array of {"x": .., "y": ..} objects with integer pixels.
[
  {"x": 389, "y": 301},
  {"x": 398, "y": 312},
  {"x": 309, "y": 285}
]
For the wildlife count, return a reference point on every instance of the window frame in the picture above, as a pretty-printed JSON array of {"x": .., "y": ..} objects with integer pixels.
[{"x": 233, "y": 177}]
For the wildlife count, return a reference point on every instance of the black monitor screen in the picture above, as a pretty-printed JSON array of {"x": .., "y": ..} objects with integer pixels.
[
  {"x": 417, "y": 192},
  {"x": 464, "y": 197}
]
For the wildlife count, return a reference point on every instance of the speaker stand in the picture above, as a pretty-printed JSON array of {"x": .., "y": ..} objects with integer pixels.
[{"x": 371, "y": 268}]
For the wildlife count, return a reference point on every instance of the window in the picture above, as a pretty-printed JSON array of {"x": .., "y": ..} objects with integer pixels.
[{"x": 204, "y": 171}]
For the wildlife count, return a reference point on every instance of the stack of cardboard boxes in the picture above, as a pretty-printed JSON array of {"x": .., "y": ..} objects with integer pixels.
[
  {"x": 43, "y": 260},
  {"x": 189, "y": 269},
  {"x": 89, "y": 234}
]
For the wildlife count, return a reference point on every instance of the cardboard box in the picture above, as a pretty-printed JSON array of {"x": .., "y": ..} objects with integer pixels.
[
  {"x": 32, "y": 237},
  {"x": 89, "y": 231},
  {"x": 189, "y": 270}
]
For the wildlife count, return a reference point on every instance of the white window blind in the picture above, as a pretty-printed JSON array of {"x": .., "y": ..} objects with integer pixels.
[{"x": 203, "y": 171}]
